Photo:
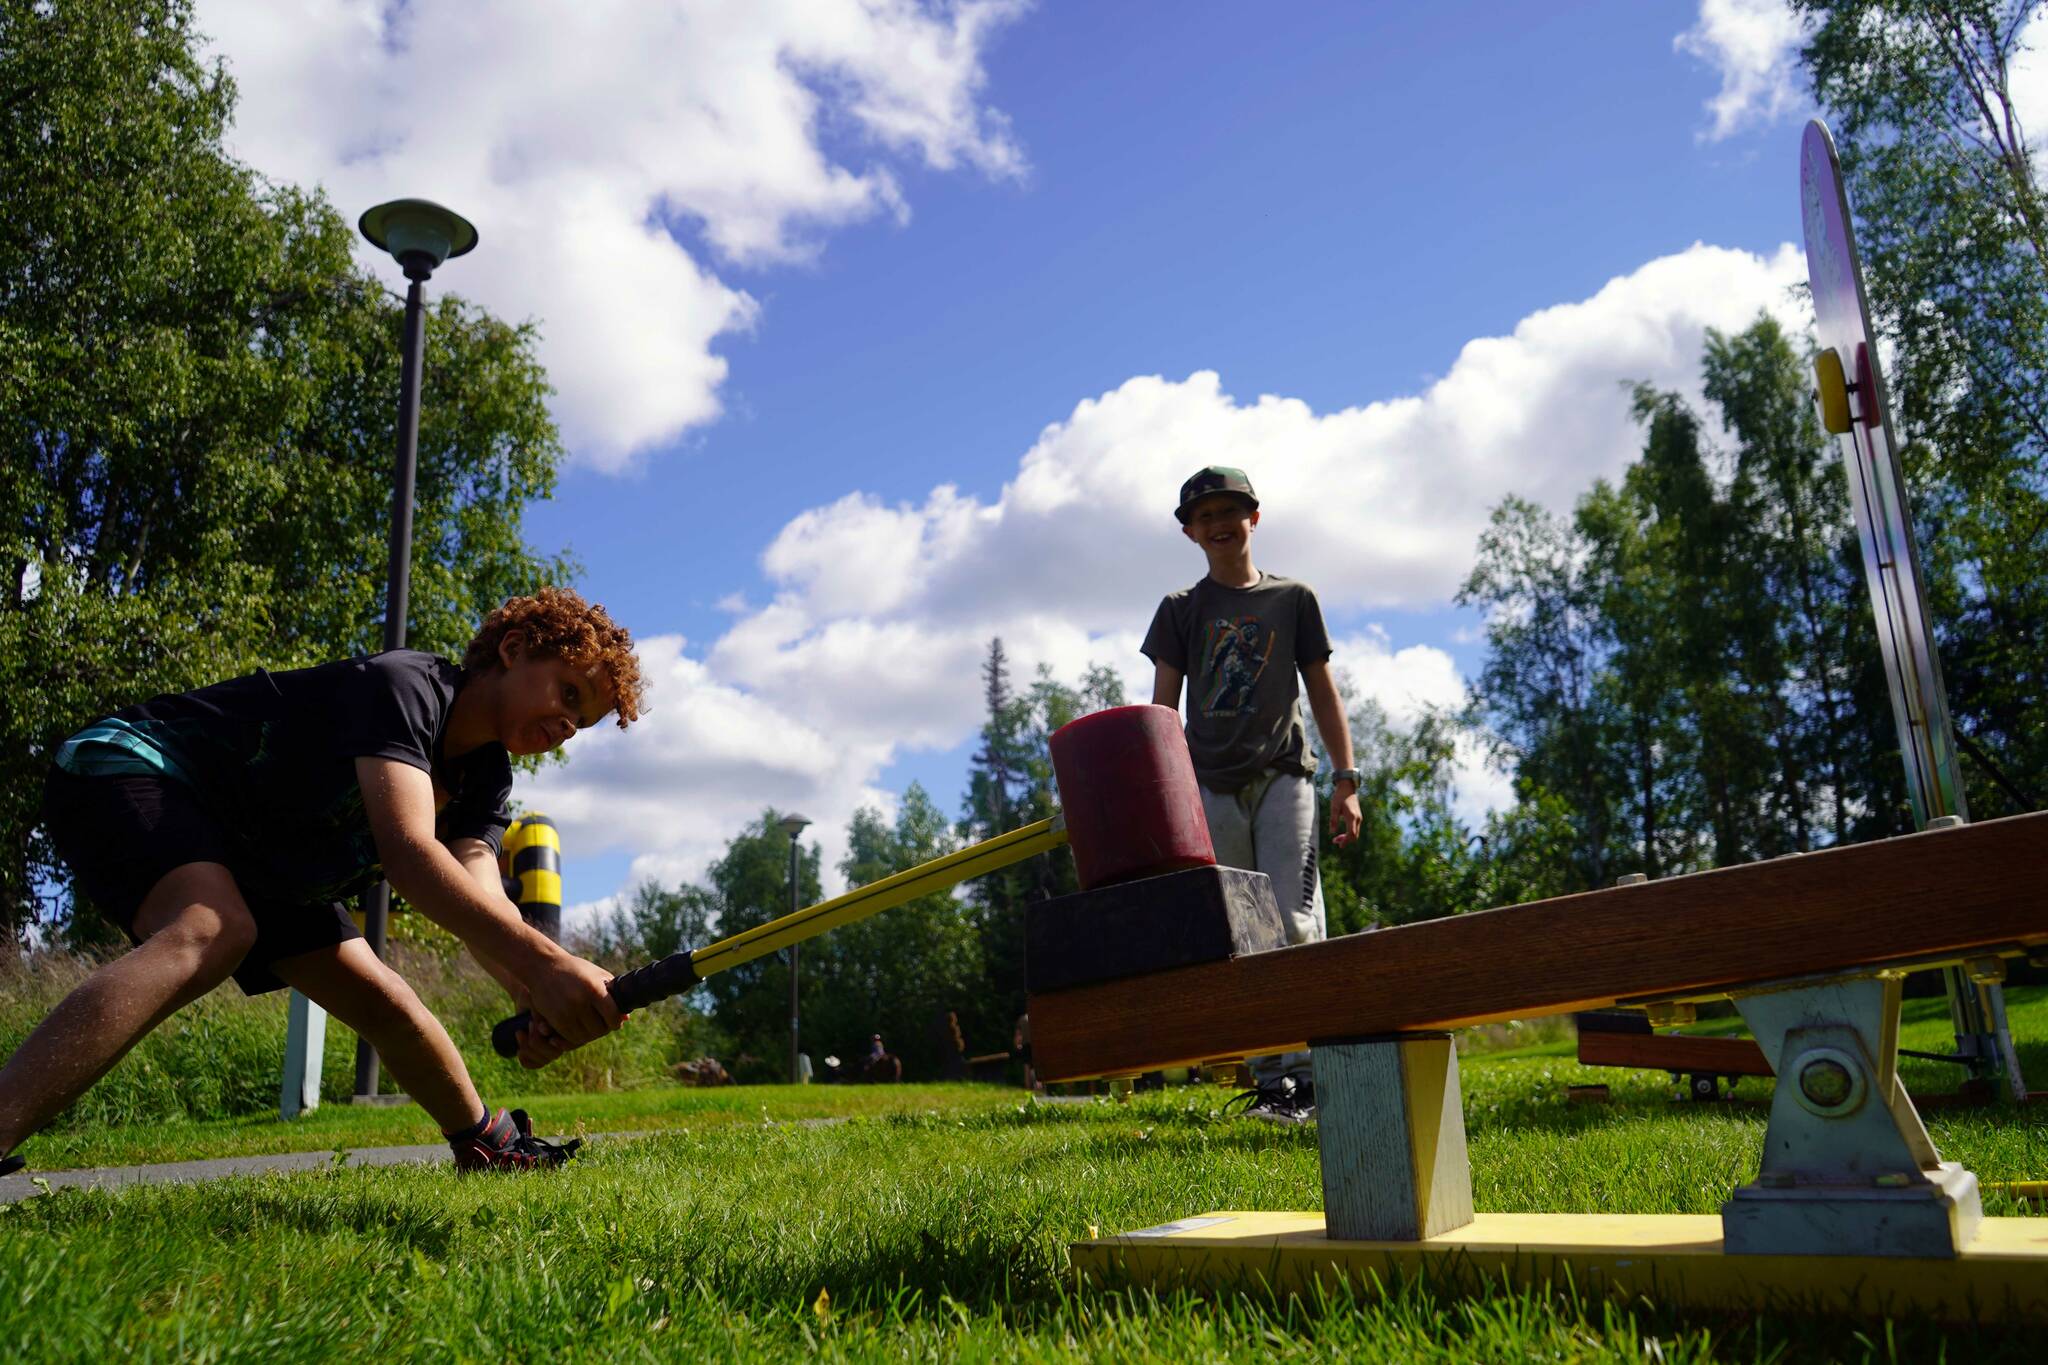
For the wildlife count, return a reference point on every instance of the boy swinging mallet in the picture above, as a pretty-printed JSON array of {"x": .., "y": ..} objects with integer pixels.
[{"x": 223, "y": 830}]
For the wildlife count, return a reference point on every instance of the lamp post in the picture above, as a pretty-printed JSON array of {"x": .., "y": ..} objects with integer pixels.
[
  {"x": 793, "y": 825},
  {"x": 419, "y": 235}
]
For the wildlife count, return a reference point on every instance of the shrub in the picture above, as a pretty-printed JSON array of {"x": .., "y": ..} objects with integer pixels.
[
  {"x": 220, "y": 1055},
  {"x": 223, "y": 1055}
]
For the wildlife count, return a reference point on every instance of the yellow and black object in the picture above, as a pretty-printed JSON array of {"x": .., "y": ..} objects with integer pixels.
[
  {"x": 532, "y": 860},
  {"x": 678, "y": 972}
]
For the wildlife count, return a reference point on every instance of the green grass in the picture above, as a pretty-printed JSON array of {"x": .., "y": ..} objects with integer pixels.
[
  {"x": 345, "y": 1125},
  {"x": 936, "y": 1220},
  {"x": 222, "y": 1056}
]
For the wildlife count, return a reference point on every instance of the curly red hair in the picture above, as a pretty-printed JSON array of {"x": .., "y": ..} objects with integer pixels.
[{"x": 558, "y": 624}]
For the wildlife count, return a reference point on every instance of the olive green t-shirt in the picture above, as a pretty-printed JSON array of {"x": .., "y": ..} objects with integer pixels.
[{"x": 1241, "y": 650}]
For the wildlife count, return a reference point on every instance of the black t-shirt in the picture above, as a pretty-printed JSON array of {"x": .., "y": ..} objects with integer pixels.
[
  {"x": 1240, "y": 650},
  {"x": 272, "y": 755}
]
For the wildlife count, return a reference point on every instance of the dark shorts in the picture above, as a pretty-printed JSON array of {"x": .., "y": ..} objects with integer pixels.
[{"x": 119, "y": 835}]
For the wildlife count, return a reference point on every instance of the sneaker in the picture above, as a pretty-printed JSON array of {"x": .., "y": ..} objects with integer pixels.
[
  {"x": 507, "y": 1143},
  {"x": 9, "y": 1165},
  {"x": 1286, "y": 1100}
]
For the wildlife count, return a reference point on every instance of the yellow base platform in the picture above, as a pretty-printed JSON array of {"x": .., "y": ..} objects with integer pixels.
[{"x": 1670, "y": 1259}]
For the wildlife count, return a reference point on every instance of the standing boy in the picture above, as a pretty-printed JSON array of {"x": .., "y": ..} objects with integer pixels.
[
  {"x": 1239, "y": 637},
  {"x": 223, "y": 829}
]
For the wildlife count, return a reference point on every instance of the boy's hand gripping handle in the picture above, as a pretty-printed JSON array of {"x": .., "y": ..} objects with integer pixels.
[{"x": 672, "y": 975}]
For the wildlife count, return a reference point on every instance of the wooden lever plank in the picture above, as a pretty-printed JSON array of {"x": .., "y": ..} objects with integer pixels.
[{"x": 1922, "y": 895}]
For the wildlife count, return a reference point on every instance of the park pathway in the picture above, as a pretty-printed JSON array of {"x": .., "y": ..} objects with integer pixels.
[
  {"x": 22, "y": 1184},
  {"x": 31, "y": 1182}
]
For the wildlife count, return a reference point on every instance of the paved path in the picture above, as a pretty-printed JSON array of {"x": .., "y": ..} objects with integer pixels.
[
  {"x": 22, "y": 1185},
  {"x": 19, "y": 1186}
]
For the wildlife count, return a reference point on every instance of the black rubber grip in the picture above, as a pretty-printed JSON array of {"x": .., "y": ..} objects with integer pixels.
[{"x": 638, "y": 988}]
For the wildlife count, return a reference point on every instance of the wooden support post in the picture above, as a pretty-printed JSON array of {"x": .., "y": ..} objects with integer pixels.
[{"x": 1392, "y": 1128}]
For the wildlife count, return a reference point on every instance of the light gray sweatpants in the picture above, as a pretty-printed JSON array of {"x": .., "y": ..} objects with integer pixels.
[{"x": 1269, "y": 826}]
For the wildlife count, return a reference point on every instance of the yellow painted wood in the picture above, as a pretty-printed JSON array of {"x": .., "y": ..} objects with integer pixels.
[
  {"x": 975, "y": 860},
  {"x": 2002, "y": 1276},
  {"x": 1435, "y": 1115}
]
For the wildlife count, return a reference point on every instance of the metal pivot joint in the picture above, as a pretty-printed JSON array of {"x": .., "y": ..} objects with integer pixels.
[{"x": 1848, "y": 1168}]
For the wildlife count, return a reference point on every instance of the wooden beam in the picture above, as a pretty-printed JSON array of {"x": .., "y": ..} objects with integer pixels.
[
  {"x": 1950, "y": 891},
  {"x": 1663, "y": 1052}
]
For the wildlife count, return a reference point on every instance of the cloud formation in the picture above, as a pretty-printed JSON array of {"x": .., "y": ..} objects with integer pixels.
[
  {"x": 881, "y": 613},
  {"x": 704, "y": 761},
  {"x": 1378, "y": 505},
  {"x": 606, "y": 149},
  {"x": 1407, "y": 683},
  {"x": 1754, "y": 46}
]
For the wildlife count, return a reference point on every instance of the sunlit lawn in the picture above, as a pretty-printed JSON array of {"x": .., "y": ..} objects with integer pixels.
[
  {"x": 933, "y": 1224},
  {"x": 664, "y": 1108}
]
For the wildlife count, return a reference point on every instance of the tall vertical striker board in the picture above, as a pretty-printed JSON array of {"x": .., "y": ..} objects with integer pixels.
[{"x": 1857, "y": 411}]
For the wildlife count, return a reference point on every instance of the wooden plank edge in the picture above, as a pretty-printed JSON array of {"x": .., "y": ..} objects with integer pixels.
[{"x": 1920, "y": 896}]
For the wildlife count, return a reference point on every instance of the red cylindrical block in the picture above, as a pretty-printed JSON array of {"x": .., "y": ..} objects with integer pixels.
[{"x": 1128, "y": 789}]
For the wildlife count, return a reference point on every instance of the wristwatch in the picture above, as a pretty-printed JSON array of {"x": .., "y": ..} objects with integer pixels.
[{"x": 1350, "y": 775}]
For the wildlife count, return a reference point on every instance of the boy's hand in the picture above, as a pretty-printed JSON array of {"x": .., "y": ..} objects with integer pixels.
[
  {"x": 570, "y": 1008},
  {"x": 1345, "y": 816}
]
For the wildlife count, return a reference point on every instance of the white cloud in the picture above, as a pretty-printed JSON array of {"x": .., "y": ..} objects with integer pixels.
[
  {"x": 2027, "y": 82},
  {"x": 703, "y": 761},
  {"x": 1754, "y": 46},
  {"x": 1405, "y": 682},
  {"x": 584, "y": 916},
  {"x": 1378, "y": 506},
  {"x": 589, "y": 141},
  {"x": 880, "y": 615},
  {"x": 1410, "y": 681}
]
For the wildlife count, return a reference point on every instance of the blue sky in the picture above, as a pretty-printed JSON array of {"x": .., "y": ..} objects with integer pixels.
[
  {"x": 1319, "y": 201},
  {"x": 1000, "y": 249}
]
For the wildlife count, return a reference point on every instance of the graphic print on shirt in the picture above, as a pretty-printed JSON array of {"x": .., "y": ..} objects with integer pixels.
[{"x": 1234, "y": 654}]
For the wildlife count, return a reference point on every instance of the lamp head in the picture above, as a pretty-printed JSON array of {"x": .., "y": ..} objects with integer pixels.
[
  {"x": 792, "y": 825},
  {"x": 418, "y": 233}
]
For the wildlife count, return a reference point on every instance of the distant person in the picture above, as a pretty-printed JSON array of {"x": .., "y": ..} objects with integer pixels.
[
  {"x": 1020, "y": 1048},
  {"x": 1239, "y": 637},
  {"x": 224, "y": 829},
  {"x": 705, "y": 1071},
  {"x": 883, "y": 1067}
]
